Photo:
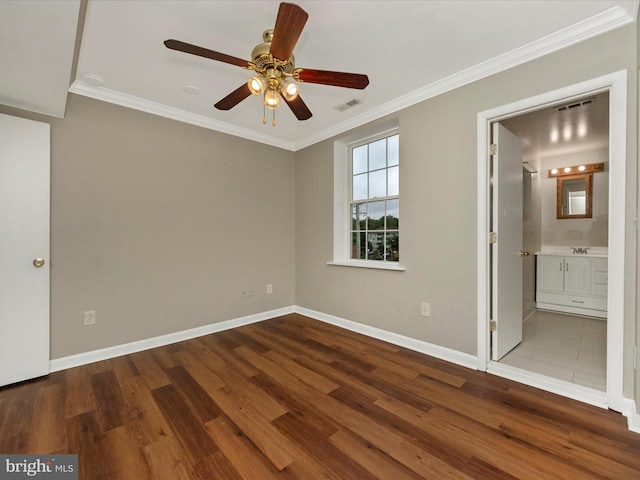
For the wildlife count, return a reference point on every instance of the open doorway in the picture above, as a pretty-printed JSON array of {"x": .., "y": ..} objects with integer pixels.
[
  {"x": 564, "y": 340},
  {"x": 614, "y": 87}
]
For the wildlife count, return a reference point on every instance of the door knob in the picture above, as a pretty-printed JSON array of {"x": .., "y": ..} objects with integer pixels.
[
  {"x": 524, "y": 253},
  {"x": 38, "y": 262}
]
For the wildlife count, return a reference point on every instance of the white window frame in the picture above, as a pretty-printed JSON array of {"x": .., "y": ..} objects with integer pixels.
[{"x": 342, "y": 197}]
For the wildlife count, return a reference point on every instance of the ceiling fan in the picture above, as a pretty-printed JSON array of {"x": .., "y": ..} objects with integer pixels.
[{"x": 274, "y": 63}]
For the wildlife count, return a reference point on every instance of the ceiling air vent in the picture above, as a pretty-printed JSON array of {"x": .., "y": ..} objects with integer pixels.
[
  {"x": 349, "y": 104},
  {"x": 576, "y": 104}
]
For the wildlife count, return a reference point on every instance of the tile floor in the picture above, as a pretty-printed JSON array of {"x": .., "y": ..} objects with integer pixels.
[{"x": 566, "y": 347}]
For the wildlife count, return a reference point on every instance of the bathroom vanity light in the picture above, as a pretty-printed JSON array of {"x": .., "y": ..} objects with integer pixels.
[
  {"x": 574, "y": 190},
  {"x": 590, "y": 168}
]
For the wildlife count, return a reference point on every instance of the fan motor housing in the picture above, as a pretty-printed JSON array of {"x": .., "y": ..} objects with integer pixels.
[{"x": 263, "y": 60}]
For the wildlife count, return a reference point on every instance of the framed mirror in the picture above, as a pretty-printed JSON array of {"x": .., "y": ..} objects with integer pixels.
[
  {"x": 574, "y": 190},
  {"x": 574, "y": 196}
]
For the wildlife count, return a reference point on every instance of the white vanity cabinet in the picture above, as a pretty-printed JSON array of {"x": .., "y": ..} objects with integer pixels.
[{"x": 572, "y": 284}]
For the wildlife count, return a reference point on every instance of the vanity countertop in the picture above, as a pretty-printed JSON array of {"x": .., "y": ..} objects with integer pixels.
[{"x": 602, "y": 252}]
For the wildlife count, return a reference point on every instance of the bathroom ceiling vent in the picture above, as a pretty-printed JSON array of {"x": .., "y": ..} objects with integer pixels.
[{"x": 576, "y": 104}]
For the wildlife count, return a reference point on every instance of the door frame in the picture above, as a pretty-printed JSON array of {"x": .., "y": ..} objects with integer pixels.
[{"x": 616, "y": 84}]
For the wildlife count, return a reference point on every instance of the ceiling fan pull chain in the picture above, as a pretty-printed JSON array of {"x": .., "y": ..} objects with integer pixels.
[
  {"x": 264, "y": 114},
  {"x": 273, "y": 122}
]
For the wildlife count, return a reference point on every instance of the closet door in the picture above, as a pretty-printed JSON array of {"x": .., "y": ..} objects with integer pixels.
[{"x": 24, "y": 249}]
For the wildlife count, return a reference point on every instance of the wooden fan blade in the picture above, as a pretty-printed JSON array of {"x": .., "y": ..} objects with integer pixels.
[
  {"x": 289, "y": 24},
  {"x": 337, "y": 79},
  {"x": 204, "y": 52},
  {"x": 299, "y": 108},
  {"x": 234, "y": 98}
]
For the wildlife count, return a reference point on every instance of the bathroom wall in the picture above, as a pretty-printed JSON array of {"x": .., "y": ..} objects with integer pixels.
[
  {"x": 575, "y": 232},
  {"x": 531, "y": 228}
]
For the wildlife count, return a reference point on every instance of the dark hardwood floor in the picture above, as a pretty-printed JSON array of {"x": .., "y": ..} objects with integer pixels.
[{"x": 293, "y": 398}]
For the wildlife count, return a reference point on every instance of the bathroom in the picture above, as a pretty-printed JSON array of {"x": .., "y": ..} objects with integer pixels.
[{"x": 565, "y": 336}]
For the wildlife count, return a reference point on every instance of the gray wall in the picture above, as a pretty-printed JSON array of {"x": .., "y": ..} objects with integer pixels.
[
  {"x": 438, "y": 204},
  {"x": 530, "y": 236},
  {"x": 158, "y": 226}
]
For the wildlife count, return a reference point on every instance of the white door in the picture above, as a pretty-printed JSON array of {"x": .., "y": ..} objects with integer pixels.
[
  {"x": 24, "y": 245},
  {"x": 507, "y": 261}
]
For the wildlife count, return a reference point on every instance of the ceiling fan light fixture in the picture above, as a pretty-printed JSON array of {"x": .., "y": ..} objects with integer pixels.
[
  {"x": 288, "y": 89},
  {"x": 257, "y": 85},
  {"x": 271, "y": 99},
  {"x": 274, "y": 64}
]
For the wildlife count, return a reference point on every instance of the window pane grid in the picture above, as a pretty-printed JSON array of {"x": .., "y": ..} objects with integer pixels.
[{"x": 374, "y": 205}]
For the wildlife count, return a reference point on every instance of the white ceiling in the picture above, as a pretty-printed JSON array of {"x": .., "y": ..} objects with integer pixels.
[
  {"x": 37, "y": 40},
  {"x": 572, "y": 126},
  {"x": 411, "y": 50}
]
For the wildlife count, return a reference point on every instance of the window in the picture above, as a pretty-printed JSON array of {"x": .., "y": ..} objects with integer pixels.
[
  {"x": 366, "y": 201},
  {"x": 374, "y": 203}
]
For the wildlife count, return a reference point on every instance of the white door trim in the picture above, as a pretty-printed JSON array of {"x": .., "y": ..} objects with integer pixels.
[{"x": 616, "y": 84}]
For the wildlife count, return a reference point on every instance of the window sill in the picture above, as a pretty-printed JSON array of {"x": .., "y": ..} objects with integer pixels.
[{"x": 369, "y": 264}]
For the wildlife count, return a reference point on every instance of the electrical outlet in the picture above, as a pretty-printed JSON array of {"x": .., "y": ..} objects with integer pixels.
[
  {"x": 425, "y": 310},
  {"x": 90, "y": 317},
  {"x": 269, "y": 289},
  {"x": 246, "y": 293}
]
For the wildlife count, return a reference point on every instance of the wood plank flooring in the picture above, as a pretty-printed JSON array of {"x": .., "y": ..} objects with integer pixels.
[{"x": 293, "y": 398}]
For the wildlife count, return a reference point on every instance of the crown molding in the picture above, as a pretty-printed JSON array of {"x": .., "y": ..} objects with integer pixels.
[{"x": 606, "y": 21}]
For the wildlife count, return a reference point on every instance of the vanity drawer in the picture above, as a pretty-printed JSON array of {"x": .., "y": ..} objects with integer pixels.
[
  {"x": 600, "y": 291},
  {"x": 600, "y": 277},
  {"x": 575, "y": 301},
  {"x": 600, "y": 264}
]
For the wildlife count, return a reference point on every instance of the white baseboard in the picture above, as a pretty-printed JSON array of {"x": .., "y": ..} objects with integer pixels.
[
  {"x": 442, "y": 353},
  {"x": 631, "y": 412},
  {"x": 127, "y": 348},
  {"x": 583, "y": 394},
  {"x": 447, "y": 354}
]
